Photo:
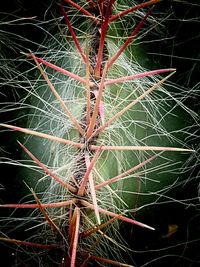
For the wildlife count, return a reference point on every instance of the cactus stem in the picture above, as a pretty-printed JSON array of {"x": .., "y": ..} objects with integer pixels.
[{"x": 83, "y": 213}]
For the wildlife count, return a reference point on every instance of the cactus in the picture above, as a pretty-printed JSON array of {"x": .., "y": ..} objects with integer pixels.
[{"x": 101, "y": 137}]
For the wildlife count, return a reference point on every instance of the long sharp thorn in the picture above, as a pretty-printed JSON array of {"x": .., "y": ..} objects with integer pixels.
[
  {"x": 129, "y": 40},
  {"x": 95, "y": 229},
  {"x": 42, "y": 135},
  {"x": 92, "y": 189},
  {"x": 72, "y": 223},
  {"x": 62, "y": 103},
  {"x": 35, "y": 206},
  {"x": 50, "y": 173},
  {"x": 137, "y": 76},
  {"x": 124, "y": 174},
  {"x": 61, "y": 70},
  {"x": 120, "y": 217},
  {"x": 97, "y": 104},
  {"x": 102, "y": 111},
  {"x": 120, "y": 113},
  {"x": 132, "y": 9},
  {"x": 110, "y": 262},
  {"x": 102, "y": 39},
  {"x": 45, "y": 214},
  {"x": 141, "y": 148},
  {"x": 75, "y": 241},
  {"x": 73, "y": 34},
  {"x": 86, "y": 176},
  {"x": 70, "y": 212},
  {"x": 26, "y": 243},
  {"x": 88, "y": 106},
  {"x": 83, "y": 10}
]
